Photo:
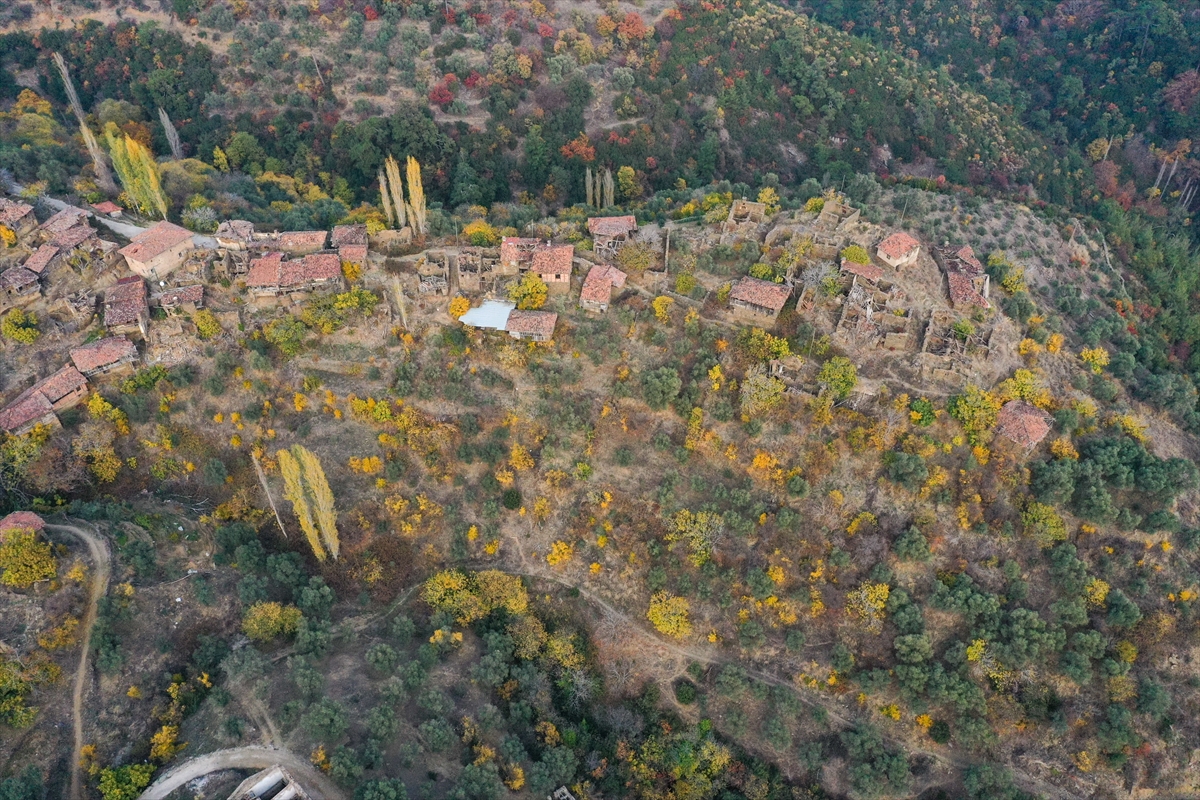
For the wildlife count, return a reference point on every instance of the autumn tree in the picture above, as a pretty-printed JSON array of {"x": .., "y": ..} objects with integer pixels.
[
  {"x": 669, "y": 615},
  {"x": 473, "y": 596},
  {"x": 264, "y": 621},
  {"x": 976, "y": 410},
  {"x": 306, "y": 487},
  {"x": 25, "y": 558},
  {"x": 529, "y": 293},
  {"x": 760, "y": 392},
  {"x": 838, "y": 377},
  {"x": 20, "y": 326},
  {"x": 416, "y": 198},
  {"x": 699, "y": 531},
  {"x": 137, "y": 171}
]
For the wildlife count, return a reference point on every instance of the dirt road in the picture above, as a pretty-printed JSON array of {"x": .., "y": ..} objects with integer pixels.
[
  {"x": 315, "y": 783},
  {"x": 97, "y": 547}
]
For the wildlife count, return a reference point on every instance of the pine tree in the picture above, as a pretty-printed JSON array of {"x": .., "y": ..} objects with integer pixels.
[
  {"x": 416, "y": 196},
  {"x": 293, "y": 480}
]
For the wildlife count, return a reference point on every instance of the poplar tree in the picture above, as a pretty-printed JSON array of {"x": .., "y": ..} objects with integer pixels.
[
  {"x": 137, "y": 171},
  {"x": 416, "y": 196},
  {"x": 293, "y": 490},
  {"x": 306, "y": 487},
  {"x": 395, "y": 190}
]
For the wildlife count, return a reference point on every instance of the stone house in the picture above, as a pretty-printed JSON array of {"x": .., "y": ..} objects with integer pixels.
[
  {"x": 126, "y": 307},
  {"x": 180, "y": 300},
  {"x": 18, "y": 286},
  {"x": 743, "y": 211},
  {"x": 1022, "y": 423},
  {"x": 292, "y": 243},
  {"x": 759, "y": 300},
  {"x": 40, "y": 403},
  {"x": 104, "y": 356},
  {"x": 476, "y": 269},
  {"x": 835, "y": 214},
  {"x": 533, "y": 326},
  {"x": 553, "y": 264},
  {"x": 867, "y": 272},
  {"x": 598, "y": 285},
  {"x": 17, "y": 217},
  {"x": 63, "y": 220},
  {"x": 967, "y": 283},
  {"x": 898, "y": 250},
  {"x": 516, "y": 254},
  {"x": 79, "y": 239},
  {"x": 235, "y": 234},
  {"x": 108, "y": 208},
  {"x": 610, "y": 234},
  {"x": 271, "y": 275},
  {"x": 351, "y": 243},
  {"x": 41, "y": 259},
  {"x": 158, "y": 251}
]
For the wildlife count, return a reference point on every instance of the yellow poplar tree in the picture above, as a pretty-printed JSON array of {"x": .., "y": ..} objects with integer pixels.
[
  {"x": 293, "y": 490},
  {"x": 137, "y": 171},
  {"x": 416, "y": 196},
  {"x": 392, "y": 189}
]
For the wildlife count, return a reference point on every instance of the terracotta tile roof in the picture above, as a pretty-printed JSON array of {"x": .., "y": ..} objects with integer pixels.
[
  {"x": 73, "y": 237},
  {"x": 898, "y": 245},
  {"x": 17, "y": 278},
  {"x": 155, "y": 241},
  {"x": 69, "y": 217},
  {"x": 761, "y": 293},
  {"x": 41, "y": 258},
  {"x": 272, "y": 271},
  {"x": 611, "y": 226},
  {"x": 962, "y": 290},
  {"x": 107, "y": 207},
  {"x": 1023, "y": 423},
  {"x": 12, "y": 212},
  {"x": 22, "y": 519},
  {"x": 532, "y": 322},
  {"x": 182, "y": 294},
  {"x": 348, "y": 234},
  {"x": 289, "y": 240},
  {"x": 553, "y": 259},
  {"x": 102, "y": 352},
  {"x": 24, "y": 410},
  {"x": 125, "y": 302},
  {"x": 321, "y": 267},
  {"x": 60, "y": 384},
  {"x": 517, "y": 248},
  {"x": 238, "y": 229},
  {"x": 599, "y": 283},
  {"x": 265, "y": 271},
  {"x": 962, "y": 259},
  {"x": 871, "y": 272},
  {"x": 353, "y": 253}
]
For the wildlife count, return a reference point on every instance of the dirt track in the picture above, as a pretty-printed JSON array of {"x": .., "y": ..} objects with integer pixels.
[
  {"x": 316, "y": 784},
  {"x": 98, "y": 549}
]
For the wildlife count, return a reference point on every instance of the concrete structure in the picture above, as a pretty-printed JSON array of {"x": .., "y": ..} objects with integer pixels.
[
  {"x": 159, "y": 251},
  {"x": 17, "y": 217},
  {"x": 598, "y": 285},
  {"x": 553, "y": 264},
  {"x": 271, "y": 275},
  {"x": 126, "y": 308},
  {"x": 272, "y": 783},
  {"x": 492, "y": 315},
  {"x": 898, "y": 250},
  {"x": 104, "y": 356},
  {"x": 759, "y": 300}
]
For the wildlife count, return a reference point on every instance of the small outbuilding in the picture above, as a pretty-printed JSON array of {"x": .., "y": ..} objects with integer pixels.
[
  {"x": 103, "y": 356},
  {"x": 898, "y": 250},
  {"x": 758, "y": 299}
]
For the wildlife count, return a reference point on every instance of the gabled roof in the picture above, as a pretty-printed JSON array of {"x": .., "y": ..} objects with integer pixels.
[
  {"x": 898, "y": 245},
  {"x": 69, "y": 217},
  {"x": 60, "y": 384},
  {"x": 761, "y": 293},
  {"x": 155, "y": 241},
  {"x": 102, "y": 352},
  {"x": 289, "y": 240},
  {"x": 24, "y": 410},
  {"x": 107, "y": 207},
  {"x": 532, "y": 322},
  {"x": 961, "y": 259},
  {"x": 125, "y": 302},
  {"x": 72, "y": 237},
  {"x": 17, "y": 278},
  {"x": 348, "y": 234},
  {"x": 962, "y": 290},
  {"x": 12, "y": 212},
  {"x": 272, "y": 271},
  {"x": 321, "y": 267},
  {"x": 353, "y": 253},
  {"x": 553, "y": 259},
  {"x": 871, "y": 272},
  {"x": 1023, "y": 423},
  {"x": 22, "y": 519},
  {"x": 599, "y": 283},
  {"x": 181, "y": 294},
  {"x": 41, "y": 258},
  {"x": 265, "y": 271},
  {"x": 611, "y": 226}
]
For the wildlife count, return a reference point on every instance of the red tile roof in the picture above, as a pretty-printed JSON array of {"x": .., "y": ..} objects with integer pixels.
[
  {"x": 871, "y": 272},
  {"x": 22, "y": 519},
  {"x": 69, "y": 217},
  {"x": 963, "y": 259},
  {"x": 321, "y": 267},
  {"x": 102, "y": 352},
  {"x": 348, "y": 234},
  {"x": 611, "y": 226},
  {"x": 12, "y": 212},
  {"x": 299, "y": 240},
  {"x": 898, "y": 245},
  {"x": 532, "y": 322},
  {"x": 41, "y": 258},
  {"x": 599, "y": 283},
  {"x": 17, "y": 278},
  {"x": 72, "y": 237},
  {"x": 517, "y": 248},
  {"x": 353, "y": 253},
  {"x": 107, "y": 207},
  {"x": 1023, "y": 423},
  {"x": 265, "y": 271},
  {"x": 125, "y": 302},
  {"x": 272, "y": 271},
  {"x": 27, "y": 408},
  {"x": 155, "y": 241},
  {"x": 553, "y": 259},
  {"x": 60, "y": 384},
  {"x": 181, "y": 294},
  {"x": 761, "y": 293},
  {"x": 962, "y": 290}
]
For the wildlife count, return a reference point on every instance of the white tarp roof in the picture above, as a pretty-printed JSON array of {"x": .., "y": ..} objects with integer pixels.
[{"x": 493, "y": 315}]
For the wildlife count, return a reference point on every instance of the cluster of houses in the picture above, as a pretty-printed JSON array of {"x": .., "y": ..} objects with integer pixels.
[{"x": 65, "y": 238}]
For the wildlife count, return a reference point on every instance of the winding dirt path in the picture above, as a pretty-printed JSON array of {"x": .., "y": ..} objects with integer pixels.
[
  {"x": 97, "y": 547},
  {"x": 316, "y": 784}
]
